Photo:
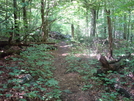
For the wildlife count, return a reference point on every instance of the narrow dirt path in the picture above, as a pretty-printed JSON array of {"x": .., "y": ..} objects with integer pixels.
[{"x": 70, "y": 83}]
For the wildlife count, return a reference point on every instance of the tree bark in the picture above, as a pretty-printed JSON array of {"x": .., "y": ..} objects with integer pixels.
[
  {"x": 93, "y": 22},
  {"x": 112, "y": 65},
  {"x": 25, "y": 14},
  {"x": 16, "y": 26},
  {"x": 125, "y": 27},
  {"x": 72, "y": 30},
  {"x": 110, "y": 55},
  {"x": 44, "y": 21},
  {"x": 87, "y": 20},
  {"x": 129, "y": 25}
]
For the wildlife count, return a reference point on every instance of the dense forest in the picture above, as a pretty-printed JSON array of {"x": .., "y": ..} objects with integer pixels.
[{"x": 67, "y": 50}]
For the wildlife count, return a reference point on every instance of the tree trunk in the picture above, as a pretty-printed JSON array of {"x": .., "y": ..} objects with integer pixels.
[
  {"x": 25, "y": 23},
  {"x": 105, "y": 21},
  {"x": 72, "y": 30},
  {"x": 44, "y": 21},
  {"x": 87, "y": 20},
  {"x": 129, "y": 25},
  {"x": 25, "y": 15},
  {"x": 125, "y": 27},
  {"x": 114, "y": 65},
  {"x": 16, "y": 26},
  {"x": 93, "y": 22},
  {"x": 110, "y": 34}
]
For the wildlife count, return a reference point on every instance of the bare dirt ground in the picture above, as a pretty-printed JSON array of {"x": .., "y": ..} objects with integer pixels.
[{"x": 70, "y": 83}]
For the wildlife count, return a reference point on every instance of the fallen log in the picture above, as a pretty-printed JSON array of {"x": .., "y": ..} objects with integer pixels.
[
  {"x": 112, "y": 66},
  {"x": 49, "y": 43},
  {"x": 5, "y": 43},
  {"x": 118, "y": 60},
  {"x": 9, "y": 52}
]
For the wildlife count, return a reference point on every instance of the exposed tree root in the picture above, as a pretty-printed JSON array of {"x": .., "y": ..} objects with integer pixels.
[{"x": 115, "y": 65}]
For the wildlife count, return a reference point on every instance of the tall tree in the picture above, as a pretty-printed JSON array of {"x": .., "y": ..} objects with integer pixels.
[
  {"x": 25, "y": 14},
  {"x": 125, "y": 27},
  {"x": 93, "y": 6},
  {"x": 72, "y": 30},
  {"x": 16, "y": 25},
  {"x": 47, "y": 11},
  {"x": 93, "y": 21},
  {"x": 44, "y": 30},
  {"x": 110, "y": 34}
]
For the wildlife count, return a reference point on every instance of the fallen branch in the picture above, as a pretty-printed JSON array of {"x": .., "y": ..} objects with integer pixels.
[
  {"x": 5, "y": 43},
  {"x": 9, "y": 52},
  {"x": 112, "y": 66}
]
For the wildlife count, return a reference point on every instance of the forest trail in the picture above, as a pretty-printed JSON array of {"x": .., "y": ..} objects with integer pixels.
[{"x": 70, "y": 83}]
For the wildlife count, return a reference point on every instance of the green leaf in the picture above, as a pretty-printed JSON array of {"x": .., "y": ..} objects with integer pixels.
[
  {"x": 8, "y": 95},
  {"x": 52, "y": 82},
  {"x": 1, "y": 72},
  {"x": 22, "y": 100}
]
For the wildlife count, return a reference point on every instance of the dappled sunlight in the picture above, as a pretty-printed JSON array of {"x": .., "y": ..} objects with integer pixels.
[
  {"x": 64, "y": 54},
  {"x": 79, "y": 55},
  {"x": 93, "y": 54},
  {"x": 65, "y": 46},
  {"x": 86, "y": 55}
]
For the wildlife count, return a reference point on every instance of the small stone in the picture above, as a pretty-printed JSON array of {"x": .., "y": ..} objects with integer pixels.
[{"x": 26, "y": 78}]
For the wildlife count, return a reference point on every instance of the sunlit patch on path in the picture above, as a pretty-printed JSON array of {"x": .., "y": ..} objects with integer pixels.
[{"x": 70, "y": 83}]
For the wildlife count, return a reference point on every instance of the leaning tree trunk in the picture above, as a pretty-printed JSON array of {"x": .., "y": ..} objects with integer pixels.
[{"x": 110, "y": 55}]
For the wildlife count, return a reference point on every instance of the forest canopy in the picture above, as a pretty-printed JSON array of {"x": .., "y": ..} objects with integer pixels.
[{"x": 26, "y": 18}]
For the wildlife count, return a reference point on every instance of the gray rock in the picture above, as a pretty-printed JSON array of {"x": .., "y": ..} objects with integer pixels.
[{"x": 26, "y": 78}]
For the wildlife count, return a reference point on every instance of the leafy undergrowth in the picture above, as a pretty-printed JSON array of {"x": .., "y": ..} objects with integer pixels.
[
  {"x": 102, "y": 90},
  {"x": 30, "y": 77}
]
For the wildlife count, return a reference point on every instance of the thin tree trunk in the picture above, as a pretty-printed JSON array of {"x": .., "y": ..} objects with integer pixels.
[
  {"x": 125, "y": 27},
  {"x": 114, "y": 25},
  {"x": 93, "y": 22},
  {"x": 16, "y": 27},
  {"x": 110, "y": 34},
  {"x": 45, "y": 23},
  {"x": 129, "y": 25},
  {"x": 25, "y": 15},
  {"x": 6, "y": 6},
  {"x": 72, "y": 30},
  {"x": 25, "y": 23},
  {"x": 87, "y": 20},
  {"x": 105, "y": 21},
  {"x": 44, "y": 38}
]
